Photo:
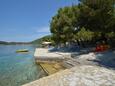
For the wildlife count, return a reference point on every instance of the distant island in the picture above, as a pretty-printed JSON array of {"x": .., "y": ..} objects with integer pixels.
[
  {"x": 36, "y": 41},
  {"x": 13, "y": 43}
]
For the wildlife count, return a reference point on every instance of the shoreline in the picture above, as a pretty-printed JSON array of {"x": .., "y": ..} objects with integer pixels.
[
  {"x": 53, "y": 67},
  {"x": 78, "y": 76},
  {"x": 50, "y": 62}
]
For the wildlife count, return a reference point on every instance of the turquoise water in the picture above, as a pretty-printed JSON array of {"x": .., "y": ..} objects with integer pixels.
[{"x": 17, "y": 68}]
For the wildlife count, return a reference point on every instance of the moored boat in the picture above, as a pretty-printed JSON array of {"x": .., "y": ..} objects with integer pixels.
[{"x": 22, "y": 50}]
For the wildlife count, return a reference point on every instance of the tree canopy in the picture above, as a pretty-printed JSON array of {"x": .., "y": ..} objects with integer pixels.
[
  {"x": 83, "y": 21},
  {"x": 97, "y": 15}
]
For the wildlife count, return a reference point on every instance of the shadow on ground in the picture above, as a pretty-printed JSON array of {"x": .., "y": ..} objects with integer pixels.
[{"x": 106, "y": 59}]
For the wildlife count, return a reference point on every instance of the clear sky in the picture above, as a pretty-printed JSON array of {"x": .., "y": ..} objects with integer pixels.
[{"x": 26, "y": 20}]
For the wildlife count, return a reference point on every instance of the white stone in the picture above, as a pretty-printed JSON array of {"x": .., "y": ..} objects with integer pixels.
[{"x": 78, "y": 76}]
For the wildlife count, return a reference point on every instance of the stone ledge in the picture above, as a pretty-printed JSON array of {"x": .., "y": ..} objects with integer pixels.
[{"x": 78, "y": 76}]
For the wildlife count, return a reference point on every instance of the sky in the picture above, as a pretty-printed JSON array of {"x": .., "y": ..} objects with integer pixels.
[{"x": 27, "y": 20}]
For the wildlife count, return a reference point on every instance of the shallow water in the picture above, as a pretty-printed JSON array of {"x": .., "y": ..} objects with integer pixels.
[{"x": 18, "y": 68}]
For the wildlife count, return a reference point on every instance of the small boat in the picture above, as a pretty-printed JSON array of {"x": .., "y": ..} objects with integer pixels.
[{"x": 22, "y": 50}]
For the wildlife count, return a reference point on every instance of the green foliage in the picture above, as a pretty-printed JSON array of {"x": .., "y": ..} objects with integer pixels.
[
  {"x": 111, "y": 34},
  {"x": 41, "y": 40},
  {"x": 84, "y": 35},
  {"x": 64, "y": 23},
  {"x": 96, "y": 16}
]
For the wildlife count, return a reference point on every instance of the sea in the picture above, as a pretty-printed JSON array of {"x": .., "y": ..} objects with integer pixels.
[{"x": 17, "y": 69}]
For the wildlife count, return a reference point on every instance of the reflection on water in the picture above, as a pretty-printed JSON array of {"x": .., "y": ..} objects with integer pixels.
[{"x": 17, "y": 68}]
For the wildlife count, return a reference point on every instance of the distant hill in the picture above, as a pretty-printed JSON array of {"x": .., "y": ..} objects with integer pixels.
[
  {"x": 3, "y": 42},
  {"x": 37, "y": 41},
  {"x": 40, "y": 40},
  {"x": 13, "y": 43}
]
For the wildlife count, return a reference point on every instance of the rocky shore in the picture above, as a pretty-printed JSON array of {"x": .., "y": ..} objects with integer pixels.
[
  {"x": 91, "y": 69},
  {"x": 78, "y": 76}
]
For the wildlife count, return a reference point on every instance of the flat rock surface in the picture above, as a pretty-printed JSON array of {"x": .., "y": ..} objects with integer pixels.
[
  {"x": 42, "y": 53},
  {"x": 78, "y": 76},
  {"x": 105, "y": 59}
]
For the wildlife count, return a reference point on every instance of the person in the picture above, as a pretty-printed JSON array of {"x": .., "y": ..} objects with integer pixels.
[{"x": 100, "y": 47}]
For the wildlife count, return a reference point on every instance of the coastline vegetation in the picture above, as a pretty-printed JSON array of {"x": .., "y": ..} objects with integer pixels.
[
  {"x": 41, "y": 40},
  {"x": 88, "y": 22}
]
